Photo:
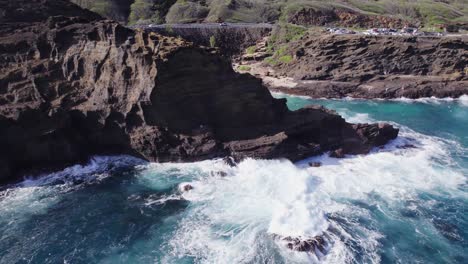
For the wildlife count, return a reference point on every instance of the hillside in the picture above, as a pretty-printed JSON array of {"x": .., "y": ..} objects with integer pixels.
[
  {"x": 306, "y": 12},
  {"x": 118, "y": 10}
]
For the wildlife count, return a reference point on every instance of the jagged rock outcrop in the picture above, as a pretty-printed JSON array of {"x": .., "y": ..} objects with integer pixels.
[
  {"x": 71, "y": 87},
  {"x": 378, "y": 66},
  {"x": 230, "y": 40}
]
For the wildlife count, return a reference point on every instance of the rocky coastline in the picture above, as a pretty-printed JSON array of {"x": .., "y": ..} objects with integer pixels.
[
  {"x": 370, "y": 67},
  {"x": 73, "y": 85}
]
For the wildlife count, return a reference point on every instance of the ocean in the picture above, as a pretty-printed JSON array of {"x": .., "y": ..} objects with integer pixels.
[{"x": 404, "y": 203}]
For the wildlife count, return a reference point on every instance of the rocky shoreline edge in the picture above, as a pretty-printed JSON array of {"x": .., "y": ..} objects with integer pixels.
[
  {"x": 74, "y": 85},
  {"x": 322, "y": 65}
]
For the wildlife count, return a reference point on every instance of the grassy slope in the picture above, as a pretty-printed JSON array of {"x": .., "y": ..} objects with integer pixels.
[
  {"x": 115, "y": 9},
  {"x": 185, "y": 11},
  {"x": 427, "y": 11}
]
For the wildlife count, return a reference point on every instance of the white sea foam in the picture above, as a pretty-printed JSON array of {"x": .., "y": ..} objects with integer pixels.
[
  {"x": 35, "y": 195},
  {"x": 462, "y": 100},
  {"x": 280, "y": 94},
  {"x": 96, "y": 169},
  {"x": 356, "y": 118},
  {"x": 18, "y": 204},
  {"x": 233, "y": 219},
  {"x": 162, "y": 200}
]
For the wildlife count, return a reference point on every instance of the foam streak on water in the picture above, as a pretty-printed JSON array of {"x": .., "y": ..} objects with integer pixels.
[
  {"x": 232, "y": 215},
  {"x": 405, "y": 201}
]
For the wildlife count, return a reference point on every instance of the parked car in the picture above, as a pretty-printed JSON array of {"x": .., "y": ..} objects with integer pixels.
[
  {"x": 340, "y": 31},
  {"x": 409, "y": 30}
]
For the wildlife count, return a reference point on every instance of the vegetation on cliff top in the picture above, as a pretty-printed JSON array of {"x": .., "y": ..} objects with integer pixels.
[
  {"x": 244, "y": 68},
  {"x": 118, "y": 10},
  {"x": 422, "y": 12}
]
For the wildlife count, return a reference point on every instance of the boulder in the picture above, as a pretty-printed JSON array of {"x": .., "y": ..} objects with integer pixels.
[
  {"x": 230, "y": 161},
  {"x": 318, "y": 245},
  {"x": 315, "y": 164},
  {"x": 337, "y": 153},
  {"x": 185, "y": 187}
]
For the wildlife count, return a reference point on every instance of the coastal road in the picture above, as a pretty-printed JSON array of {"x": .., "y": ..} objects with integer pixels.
[
  {"x": 206, "y": 25},
  {"x": 256, "y": 26}
]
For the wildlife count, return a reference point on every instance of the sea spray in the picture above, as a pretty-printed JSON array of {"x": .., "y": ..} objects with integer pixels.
[
  {"x": 401, "y": 202},
  {"x": 276, "y": 197}
]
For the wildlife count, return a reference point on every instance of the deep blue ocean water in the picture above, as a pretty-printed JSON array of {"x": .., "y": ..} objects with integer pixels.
[{"x": 398, "y": 204}]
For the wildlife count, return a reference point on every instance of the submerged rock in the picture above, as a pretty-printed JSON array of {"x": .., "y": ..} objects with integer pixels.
[
  {"x": 318, "y": 245},
  {"x": 230, "y": 161},
  {"x": 76, "y": 86},
  {"x": 337, "y": 153},
  {"x": 315, "y": 164},
  {"x": 309, "y": 245},
  {"x": 221, "y": 173},
  {"x": 185, "y": 187}
]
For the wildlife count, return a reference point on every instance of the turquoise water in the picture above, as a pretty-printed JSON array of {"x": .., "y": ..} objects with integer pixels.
[{"x": 399, "y": 204}]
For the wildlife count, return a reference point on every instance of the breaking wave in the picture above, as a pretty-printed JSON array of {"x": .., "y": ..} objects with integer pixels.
[{"x": 399, "y": 202}]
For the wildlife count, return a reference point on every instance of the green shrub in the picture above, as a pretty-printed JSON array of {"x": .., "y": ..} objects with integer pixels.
[
  {"x": 285, "y": 58},
  {"x": 149, "y": 11},
  {"x": 271, "y": 60},
  {"x": 281, "y": 51},
  {"x": 278, "y": 42},
  {"x": 212, "y": 41},
  {"x": 286, "y": 32},
  {"x": 251, "y": 49},
  {"x": 244, "y": 68},
  {"x": 279, "y": 56},
  {"x": 186, "y": 12}
]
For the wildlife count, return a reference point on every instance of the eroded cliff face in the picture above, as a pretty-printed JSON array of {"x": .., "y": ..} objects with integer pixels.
[
  {"x": 344, "y": 18},
  {"x": 229, "y": 40},
  {"x": 378, "y": 66},
  {"x": 72, "y": 87}
]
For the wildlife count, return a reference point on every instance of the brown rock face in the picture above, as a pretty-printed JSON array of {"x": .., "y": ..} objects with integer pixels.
[
  {"x": 344, "y": 18},
  {"x": 71, "y": 87},
  {"x": 378, "y": 66}
]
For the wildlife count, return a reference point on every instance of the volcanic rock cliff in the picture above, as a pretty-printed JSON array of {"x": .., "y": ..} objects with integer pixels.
[
  {"x": 230, "y": 40},
  {"x": 378, "y": 66},
  {"x": 74, "y": 85}
]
